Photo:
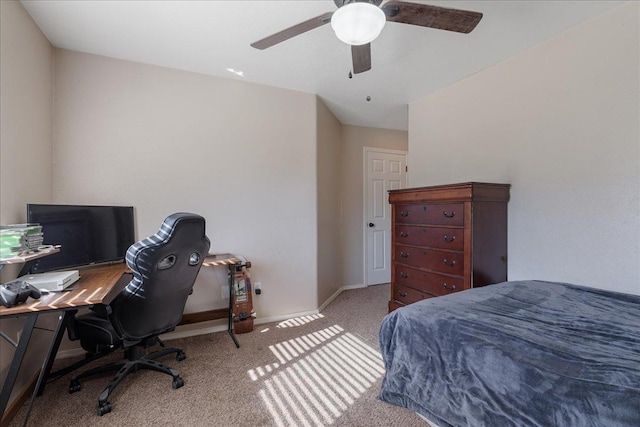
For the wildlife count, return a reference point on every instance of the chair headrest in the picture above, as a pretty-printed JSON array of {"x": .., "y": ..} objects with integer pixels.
[{"x": 164, "y": 234}]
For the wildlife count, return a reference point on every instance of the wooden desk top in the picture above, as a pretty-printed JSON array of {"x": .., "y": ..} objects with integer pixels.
[
  {"x": 221, "y": 259},
  {"x": 96, "y": 285}
]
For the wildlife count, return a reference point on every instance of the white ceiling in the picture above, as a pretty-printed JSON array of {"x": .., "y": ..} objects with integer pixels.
[{"x": 408, "y": 62}]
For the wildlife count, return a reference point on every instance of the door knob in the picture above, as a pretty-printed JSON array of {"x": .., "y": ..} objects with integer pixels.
[{"x": 371, "y": 224}]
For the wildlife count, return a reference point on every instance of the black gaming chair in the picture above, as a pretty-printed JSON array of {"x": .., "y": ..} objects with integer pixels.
[{"x": 164, "y": 268}]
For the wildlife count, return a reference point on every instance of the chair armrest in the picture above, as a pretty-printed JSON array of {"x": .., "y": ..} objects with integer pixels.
[
  {"x": 72, "y": 330},
  {"x": 102, "y": 310}
]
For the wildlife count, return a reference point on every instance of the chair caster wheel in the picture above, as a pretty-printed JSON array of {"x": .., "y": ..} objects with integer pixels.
[
  {"x": 177, "y": 383},
  {"x": 104, "y": 408},
  {"x": 74, "y": 386},
  {"x": 181, "y": 356}
]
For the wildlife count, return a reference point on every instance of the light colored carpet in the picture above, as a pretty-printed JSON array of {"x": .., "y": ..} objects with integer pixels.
[{"x": 318, "y": 370}]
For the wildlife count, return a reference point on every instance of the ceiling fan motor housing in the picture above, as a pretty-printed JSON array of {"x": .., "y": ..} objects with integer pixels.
[{"x": 340, "y": 3}]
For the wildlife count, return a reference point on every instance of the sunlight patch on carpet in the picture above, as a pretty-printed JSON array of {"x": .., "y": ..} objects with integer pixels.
[
  {"x": 319, "y": 375},
  {"x": 299, "y": 321}
]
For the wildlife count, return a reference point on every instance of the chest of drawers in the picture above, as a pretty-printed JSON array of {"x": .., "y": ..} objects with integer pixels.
[{"x": 447, "y": 238}]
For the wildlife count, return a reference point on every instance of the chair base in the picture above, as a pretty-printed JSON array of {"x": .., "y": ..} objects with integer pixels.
[
  {"x": 88, "y": 358},
  {"x": 132, "y": 363}
]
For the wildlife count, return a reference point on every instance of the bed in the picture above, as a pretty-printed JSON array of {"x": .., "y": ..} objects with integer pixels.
[{"x": 527, "y": 353}]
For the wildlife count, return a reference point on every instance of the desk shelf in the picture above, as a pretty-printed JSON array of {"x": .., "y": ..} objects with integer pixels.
[{"x": 30, "y": 256}]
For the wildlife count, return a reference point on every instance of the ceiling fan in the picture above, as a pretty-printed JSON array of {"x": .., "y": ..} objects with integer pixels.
[{"x": 359, "y": 22}]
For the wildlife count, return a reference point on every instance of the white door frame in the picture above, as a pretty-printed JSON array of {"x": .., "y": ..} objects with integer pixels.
[{"x": 365, "y": 177}]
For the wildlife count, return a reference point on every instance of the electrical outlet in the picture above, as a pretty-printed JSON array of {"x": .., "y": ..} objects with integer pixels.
[
  {"x": 258, "y": 287},
  {"x": 224, "y": 291}
]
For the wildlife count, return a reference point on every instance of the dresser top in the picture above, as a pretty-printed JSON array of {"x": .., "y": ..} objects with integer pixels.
[{"x": 466, "y": 191}]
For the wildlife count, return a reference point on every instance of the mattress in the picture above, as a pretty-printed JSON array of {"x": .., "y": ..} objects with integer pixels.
[{"x": 527, "y": 353}]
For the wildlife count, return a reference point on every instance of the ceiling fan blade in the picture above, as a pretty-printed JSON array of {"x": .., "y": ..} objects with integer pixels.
[
  {"x": 290, "y": 32},
  {"x": 442, "y": 18},
  {"x": 361, "y": 56}
]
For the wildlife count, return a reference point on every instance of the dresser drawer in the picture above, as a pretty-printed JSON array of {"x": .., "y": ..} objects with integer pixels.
[
  {"x": 431, "y": 259},
  {"x": 422, "y": 281},
  {"x": 407, "y": 295},
  {"x": 433, "y": 237},
  {"x": 434, "y": 214}
]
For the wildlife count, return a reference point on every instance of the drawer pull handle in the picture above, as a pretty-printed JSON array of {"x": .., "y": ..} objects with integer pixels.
[
  {"x": 449, "y": 215},
  {"x": 404, "y": 275},
  {"x": 404, "y": 213},
  {"x": 404, "y": 234},
  {"x": 404, "y": 254},
  {"x": 451, "y": 288},
  {"x": 450, "y": 264},
  {"x": 449, "y": 239},
  {"x": 402, "y": 294}
]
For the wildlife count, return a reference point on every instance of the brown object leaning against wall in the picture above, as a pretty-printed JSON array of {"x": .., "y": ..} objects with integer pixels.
[{"x": 447, "y": 238}]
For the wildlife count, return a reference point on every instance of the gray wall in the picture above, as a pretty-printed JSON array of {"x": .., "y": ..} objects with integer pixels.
[
  {"x": 25, "y": 145},
  {"x": 240, "y": 154},
  {"x": 560, "y": 122},
  {"x": 329, "y": 207}
]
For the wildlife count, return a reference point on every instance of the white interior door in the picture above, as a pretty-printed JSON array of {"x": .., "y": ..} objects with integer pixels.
[{"x": 384, "y": 170}]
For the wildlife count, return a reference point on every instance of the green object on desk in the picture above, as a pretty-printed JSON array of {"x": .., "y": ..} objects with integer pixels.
[{"x": 19, "y": 238}]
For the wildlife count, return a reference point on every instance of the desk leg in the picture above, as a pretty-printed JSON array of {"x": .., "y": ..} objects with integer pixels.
[
  {"x": 46, "y": 364},
  {"x": 16, "y": 362},
  {"x": 230, "y": 325},
  {"x": 63, "y": 321}
]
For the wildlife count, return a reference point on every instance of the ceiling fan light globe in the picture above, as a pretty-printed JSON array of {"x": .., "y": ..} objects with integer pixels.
[{"x": 358, "y": 23}]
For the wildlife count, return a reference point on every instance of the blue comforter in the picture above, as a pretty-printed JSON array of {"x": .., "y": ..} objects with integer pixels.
[{"x": 525, "y": 353}]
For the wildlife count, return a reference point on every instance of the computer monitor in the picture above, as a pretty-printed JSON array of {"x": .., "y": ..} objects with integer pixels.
[{"x": 87, "y": 234}]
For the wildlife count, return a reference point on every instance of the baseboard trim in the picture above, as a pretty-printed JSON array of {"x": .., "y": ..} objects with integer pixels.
[
  {"x": 220, "y": 328},
  {"x": 65, "y": 354},
  {"x": 259, "y": 321},
  {"x": 338, "y": 292},
  {"x": 192, "y": 333},
  {"x": 203, "y": 316}
]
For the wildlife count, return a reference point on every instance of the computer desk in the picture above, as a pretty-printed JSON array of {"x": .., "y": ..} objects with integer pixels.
[{"x": 98, "y": 285}]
